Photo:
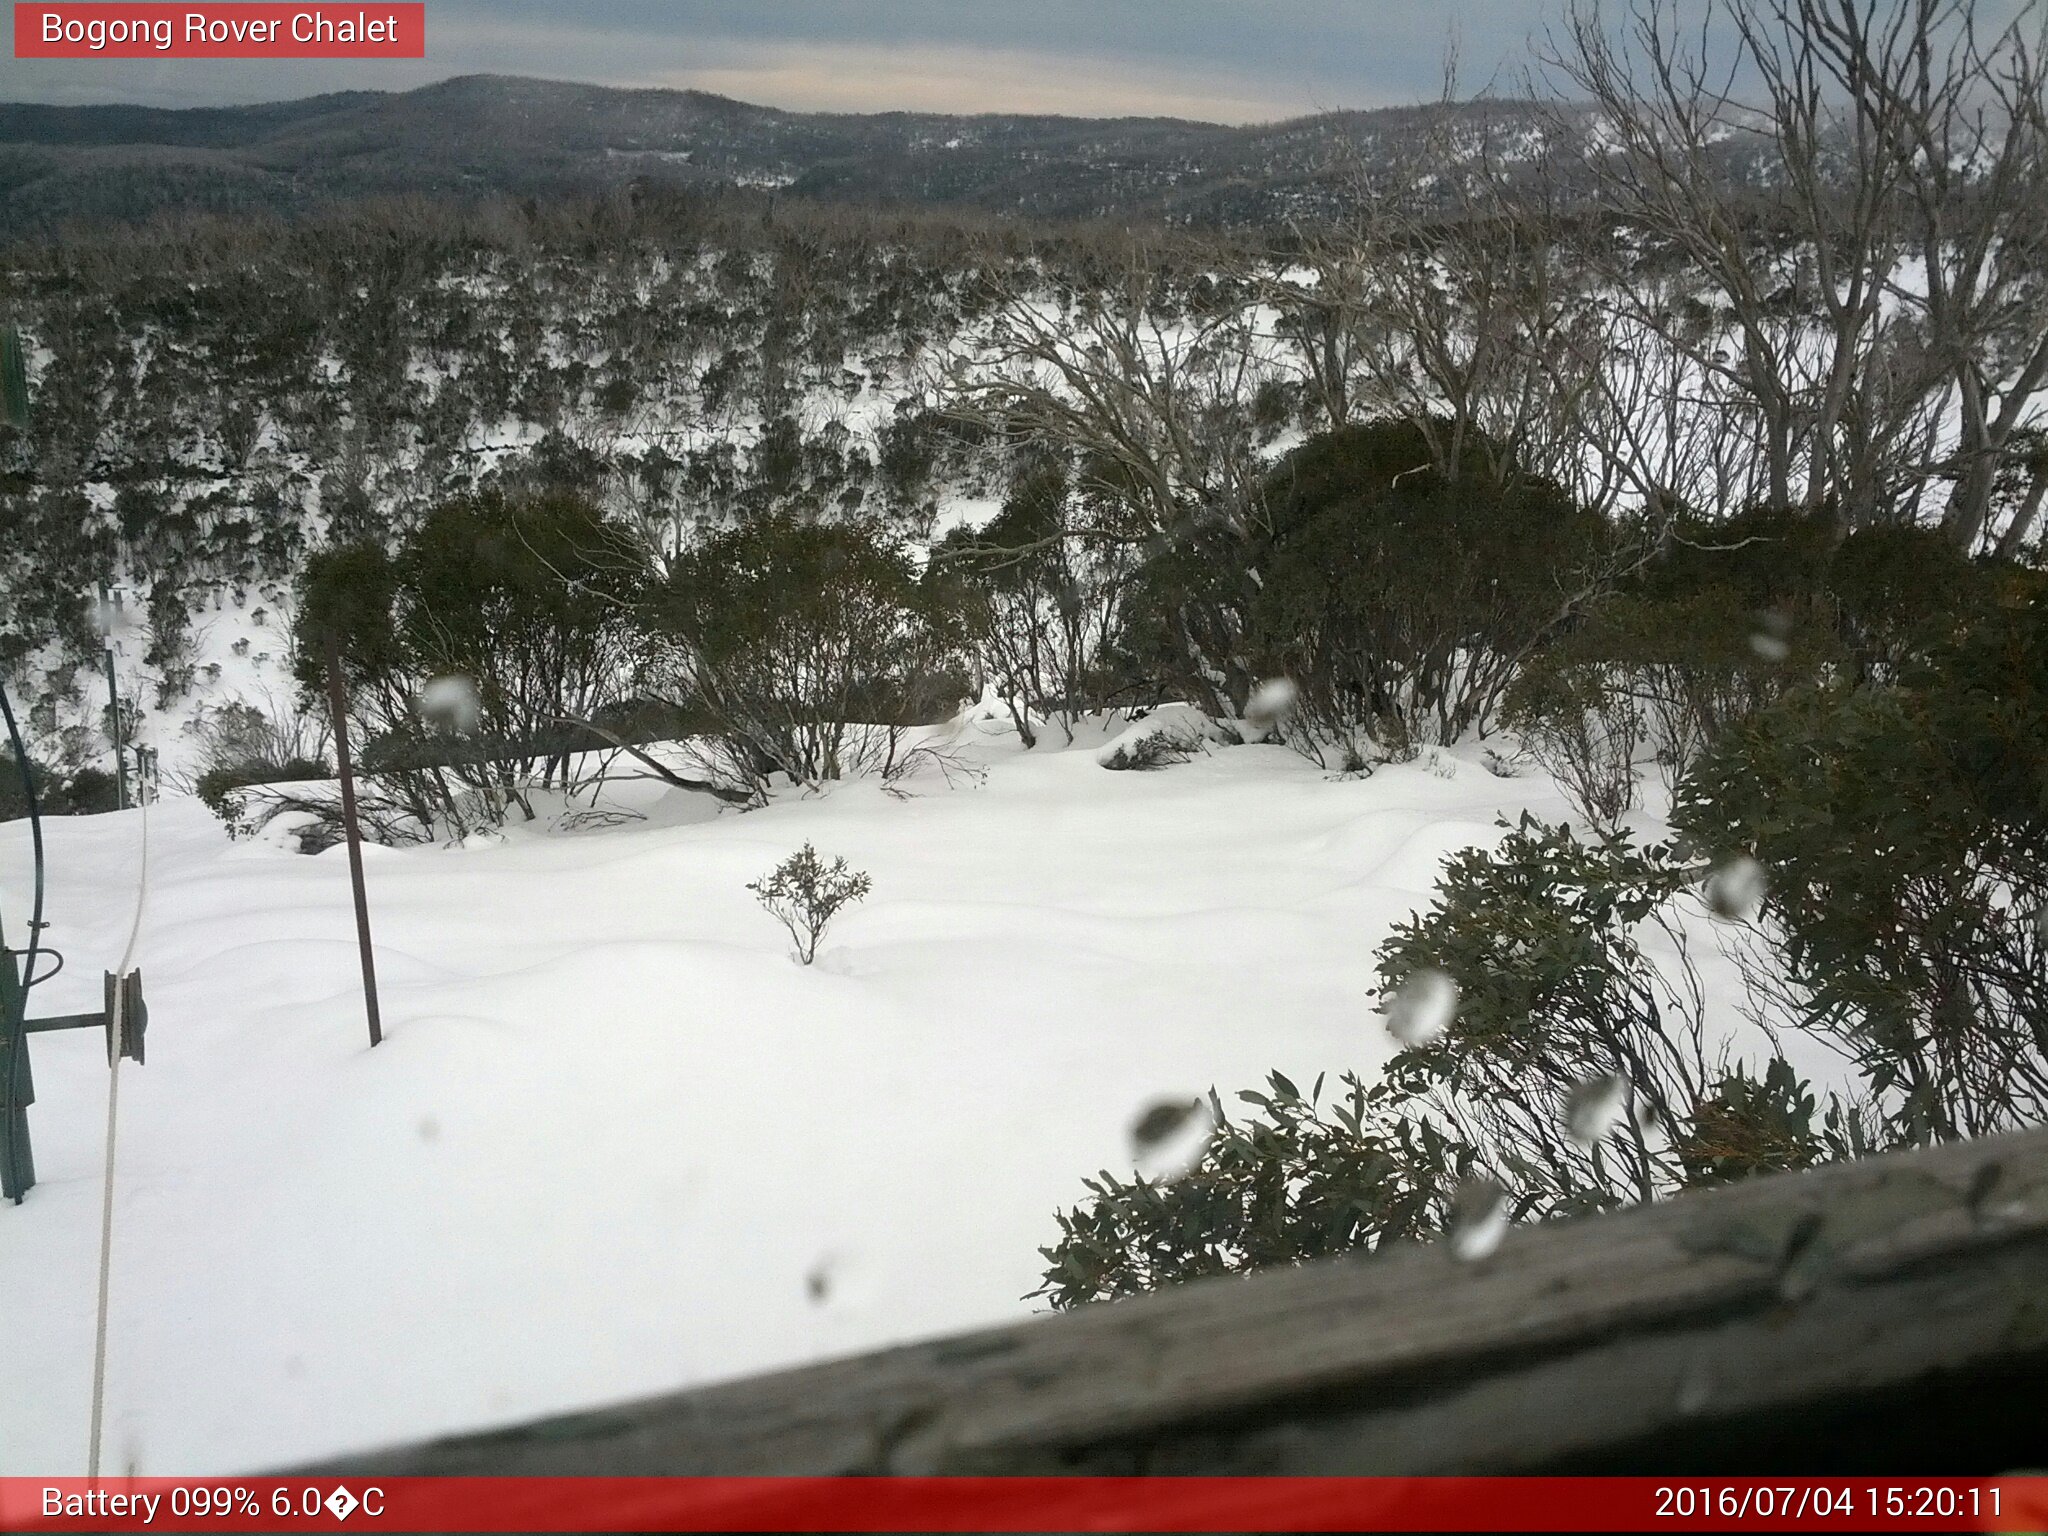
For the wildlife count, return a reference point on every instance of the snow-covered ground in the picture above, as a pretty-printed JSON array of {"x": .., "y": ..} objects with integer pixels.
[{"x": 617, "y": 1141}]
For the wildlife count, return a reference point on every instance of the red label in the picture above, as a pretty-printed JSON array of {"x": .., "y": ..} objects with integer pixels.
[
  {"x": 216, "y": 31},
  {"x": 991, "y": 1504}
]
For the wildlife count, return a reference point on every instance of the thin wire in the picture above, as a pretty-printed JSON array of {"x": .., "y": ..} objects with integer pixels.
[
  {"x": 120, "y": 1039},
  {"x": 99, "y": 1341}
]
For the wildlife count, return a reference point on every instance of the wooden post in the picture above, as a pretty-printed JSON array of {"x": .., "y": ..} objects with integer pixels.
[
  {"x": 114, "y": 729},
  {"x": 337, "y": 704}
]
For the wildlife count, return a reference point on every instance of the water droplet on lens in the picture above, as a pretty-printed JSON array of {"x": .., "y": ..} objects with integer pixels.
[
  {"x": 1168, "y": 1139},
  {"x": 1160, "y": 1121},
  {"x": 1479, "y": 1220},
  {"x": 1420, "y": 1010},
  {"x": 451, "y": 703},
  {"x": 1593, "y": 1108},
  {"x": 1271, "y": 704},
  {"x": 1735, "y": 888},
  {"x": 1771, "y": 637}
]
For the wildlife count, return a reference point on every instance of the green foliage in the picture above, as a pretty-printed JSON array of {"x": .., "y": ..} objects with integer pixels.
[
  {"x": 527, "y": 606},
  {"x": 1899, "y": 592},
  {"x": 1577, "y": 1072},
  {"x": 811, "y": 645},
  {"x": 1761, "y": 558},
  {"x": 1748, "y": 1126},
  {"x": 804, "y": 894},
  {"x": 347, "y": 598},
  {"x": 1392, "y": 587},
  {"x": 1668, "y": 672},
  {"x": 1299, "y": 1181},
  {"x": 1721, "y": 621},
  {"x": 1726, "y": 620},
  {"x": 529, "y": 598},
  {"x": 1544, "y": 939},
  {"x": 83, "y": 791},
  {"x": 1905, "y": 829}
]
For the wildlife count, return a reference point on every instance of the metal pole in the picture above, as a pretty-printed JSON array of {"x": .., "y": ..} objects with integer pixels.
[
  {"x": 114, "y": 725},
  {"x": 337, "y": 704},
  {"x": 17, "y": 1162},
  {"x": 17, "y": 1092}
]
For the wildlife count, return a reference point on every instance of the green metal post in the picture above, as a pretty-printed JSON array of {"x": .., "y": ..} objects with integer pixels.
[{"x": 17, "y": 1088}]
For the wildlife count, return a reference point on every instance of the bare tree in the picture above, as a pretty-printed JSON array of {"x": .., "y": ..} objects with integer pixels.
[
  {"x": 1145, "y": 386},
  {"x": 1869, "y": 272},
  {"x": 1452, "y": 297}
]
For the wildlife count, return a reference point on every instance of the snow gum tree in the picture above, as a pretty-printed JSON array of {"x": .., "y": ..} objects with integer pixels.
[
  {"x": 809, "y": 647},
  {"x": 527, "y": 602}
]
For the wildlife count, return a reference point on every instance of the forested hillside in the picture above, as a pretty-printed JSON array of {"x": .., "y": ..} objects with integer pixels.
[
  {"x": 214, "y": 401},
  {"x": 482, "y": 135}
]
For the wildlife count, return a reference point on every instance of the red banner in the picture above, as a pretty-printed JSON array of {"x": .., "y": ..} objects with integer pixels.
[
  {"x": 1027, "y": 1504},
  {"x": 100, "y": 30}
]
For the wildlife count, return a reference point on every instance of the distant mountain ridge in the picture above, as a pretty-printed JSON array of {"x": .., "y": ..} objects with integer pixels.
[{"x": 489, "y": 133}]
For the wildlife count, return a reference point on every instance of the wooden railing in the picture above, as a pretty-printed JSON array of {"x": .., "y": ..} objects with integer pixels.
[{"x": 1883, "y": 1316}]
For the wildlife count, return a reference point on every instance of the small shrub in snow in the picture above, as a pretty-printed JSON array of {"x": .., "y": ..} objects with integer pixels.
[
  {"x": 804, "y": 893},
  {"x": 1396, "y": 742},
  {"x": 1352, "y": 763},
  {"x": 1149, "y": 752},
  {"x": 928, "y": 760},
  {"x": 1173, "y": 735}
]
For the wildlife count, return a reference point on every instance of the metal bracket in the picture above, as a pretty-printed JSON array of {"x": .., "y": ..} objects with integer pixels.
[{"x": 17, "y": 1084}]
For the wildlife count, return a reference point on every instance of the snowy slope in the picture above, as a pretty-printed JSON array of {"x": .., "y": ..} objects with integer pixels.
[{"x": 617, "y": 1141}]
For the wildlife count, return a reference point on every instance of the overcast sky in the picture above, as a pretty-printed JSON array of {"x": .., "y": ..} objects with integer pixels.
[{"x": 1221, "y": 60}]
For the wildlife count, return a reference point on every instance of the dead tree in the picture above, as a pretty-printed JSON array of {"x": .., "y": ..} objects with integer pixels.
[{"x": 1868, "y": 270}]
